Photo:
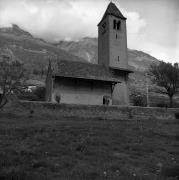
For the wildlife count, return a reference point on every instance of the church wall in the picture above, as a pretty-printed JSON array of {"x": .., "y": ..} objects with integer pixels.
[{"x": 81, "y": 91}]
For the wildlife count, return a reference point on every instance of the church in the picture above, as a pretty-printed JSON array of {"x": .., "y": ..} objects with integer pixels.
[{"x": 95, "y": 84}]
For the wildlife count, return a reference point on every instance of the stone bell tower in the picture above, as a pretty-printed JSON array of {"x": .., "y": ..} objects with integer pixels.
[
  {"x": 112, "y": 51},
  {"x": 112, "y": 39}
]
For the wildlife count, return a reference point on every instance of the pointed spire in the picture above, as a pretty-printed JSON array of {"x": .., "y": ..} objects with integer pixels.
[
  {"x": 113, "y": 10},
  {"x": 49, "y": 83},
  {"x": 49, "y": 70}
]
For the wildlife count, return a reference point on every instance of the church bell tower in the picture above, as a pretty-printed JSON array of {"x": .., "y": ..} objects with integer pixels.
[{"x": 112, "y": 39}]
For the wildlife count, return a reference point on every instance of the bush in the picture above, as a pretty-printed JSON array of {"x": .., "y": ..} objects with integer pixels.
[
  {"x": 138, "y": 99},
  {"x": 40, "y": 93},
  {"x": 162, "y": 105},
  {"x": 37, "y": 94},
  {"x": 58, "y": 98},
  {"x": 28, "y": 97}
]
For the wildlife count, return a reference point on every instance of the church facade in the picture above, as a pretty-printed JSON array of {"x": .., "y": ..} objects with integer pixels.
[{"x": 96, "y": 84}]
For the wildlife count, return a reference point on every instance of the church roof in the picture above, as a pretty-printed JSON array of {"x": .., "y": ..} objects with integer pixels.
[
  {"x": 112, "y": 10},
  {"x": 82, "y": 70}
]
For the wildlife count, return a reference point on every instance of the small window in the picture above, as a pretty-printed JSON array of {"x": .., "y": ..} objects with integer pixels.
[
  {"x": 116, "y": 36},
  {"x": 118, "y": 25},
  {"x": 114, "y": 24},
  {"x": 118, "y": 58}
]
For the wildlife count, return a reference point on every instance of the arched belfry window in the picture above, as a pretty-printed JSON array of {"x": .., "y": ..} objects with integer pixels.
[{"x": 116, "y": 24}]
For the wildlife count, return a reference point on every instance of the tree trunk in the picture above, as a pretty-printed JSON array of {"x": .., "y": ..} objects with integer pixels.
[{"x": 171, "y": 101}]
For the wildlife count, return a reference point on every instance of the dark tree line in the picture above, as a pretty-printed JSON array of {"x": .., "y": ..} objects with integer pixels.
[
  {"x": 11, "y": 77},
  {"x": 166, "y": 76}
]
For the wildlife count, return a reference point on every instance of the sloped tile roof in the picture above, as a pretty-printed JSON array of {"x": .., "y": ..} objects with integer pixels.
[
  {"x": 83, "y": 70},
  {"x": 112, "y": 10}
]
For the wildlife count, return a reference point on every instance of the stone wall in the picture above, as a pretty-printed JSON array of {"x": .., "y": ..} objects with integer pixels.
[
  {"x": 118, "y": 44},
  {"x": 102, "y": 112},
  {"x": 103, "y": 42}
]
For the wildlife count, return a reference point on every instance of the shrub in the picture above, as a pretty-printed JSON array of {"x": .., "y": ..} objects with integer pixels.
[
  {"x": 40, "y": 93},
  {"x": 58, "y": 98},
  {"x": 28, "y": 97},
  {"x": 162, "y": 105},
  {"x": 138, "y": 99}
]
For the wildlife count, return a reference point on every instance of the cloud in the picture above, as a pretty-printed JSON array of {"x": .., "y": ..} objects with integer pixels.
[
  {"x": 51, "y": 20},
  {"x": 134, "y": 22},
  {"x": 57, "y": 19}
]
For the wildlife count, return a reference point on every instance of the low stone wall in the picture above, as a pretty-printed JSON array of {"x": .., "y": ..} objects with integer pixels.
[{"x": 102, "y": 112}]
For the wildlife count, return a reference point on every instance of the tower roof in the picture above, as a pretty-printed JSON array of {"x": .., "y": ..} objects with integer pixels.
[{"x": 112, "y": 10}]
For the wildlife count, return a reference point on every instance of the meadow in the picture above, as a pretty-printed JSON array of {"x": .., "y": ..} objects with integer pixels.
[{"x": 41, "y": 145}]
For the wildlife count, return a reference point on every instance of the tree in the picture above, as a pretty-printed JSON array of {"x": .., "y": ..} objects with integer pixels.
[
  {"x": 166, "y": 76},
  {"x": 11, "y": 76}
]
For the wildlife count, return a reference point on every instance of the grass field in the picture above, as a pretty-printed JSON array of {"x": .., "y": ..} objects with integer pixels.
[{"x": 42, "y": 146}]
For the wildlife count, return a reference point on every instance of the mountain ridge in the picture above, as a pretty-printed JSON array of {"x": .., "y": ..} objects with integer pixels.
[
  {"x": 34, "y": 52},
  {"x": 85, "y": 49}
]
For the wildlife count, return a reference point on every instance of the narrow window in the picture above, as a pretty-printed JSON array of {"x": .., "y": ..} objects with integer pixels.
[
  {"x": 118, "y": 25},
  {"x": 114, "y": 24},
  {"x": 118, "y": 58},
  {"x": 116, "y": 36}
]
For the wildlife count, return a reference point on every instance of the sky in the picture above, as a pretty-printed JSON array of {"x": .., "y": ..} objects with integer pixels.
[{"x": 152, "y": 25}]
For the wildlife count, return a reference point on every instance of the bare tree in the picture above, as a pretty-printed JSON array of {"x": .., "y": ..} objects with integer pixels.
[
  {"x": 166, "y": 76},
  {"x": 11, "y": 75}
]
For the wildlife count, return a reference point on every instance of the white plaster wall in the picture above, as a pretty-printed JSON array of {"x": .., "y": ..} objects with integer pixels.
[{"x": 82, "y": 93}]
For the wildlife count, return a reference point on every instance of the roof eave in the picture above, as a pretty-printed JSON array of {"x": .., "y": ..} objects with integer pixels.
[
  {"x": 95, "y": 79},
  {"x": 122, "y": 69}
]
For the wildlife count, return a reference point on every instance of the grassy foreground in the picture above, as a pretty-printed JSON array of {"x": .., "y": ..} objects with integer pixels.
[{"x": 42, "y": 146}]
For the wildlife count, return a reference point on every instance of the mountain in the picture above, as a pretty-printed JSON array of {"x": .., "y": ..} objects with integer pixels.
[
  {"x": 87, "y": 48},
  {"x": 16, "y": 31},
  {"x": 33, "y": 52}
]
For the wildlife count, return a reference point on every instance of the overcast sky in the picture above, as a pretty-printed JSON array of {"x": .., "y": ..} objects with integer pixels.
[{"x": 152, "y": 25}]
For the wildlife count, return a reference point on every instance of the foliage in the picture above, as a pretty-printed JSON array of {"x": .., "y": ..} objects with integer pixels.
[
  {"x": 138, "y": 98},
  {"x": 39, "y": 92},
  {"x": 28, "y": 96},
  {"x": 58, "y": 98},
  {"x": 166, "y": 75},
  {"x": 11, "y": 76},
  {"x": 162, "y": 105}
]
